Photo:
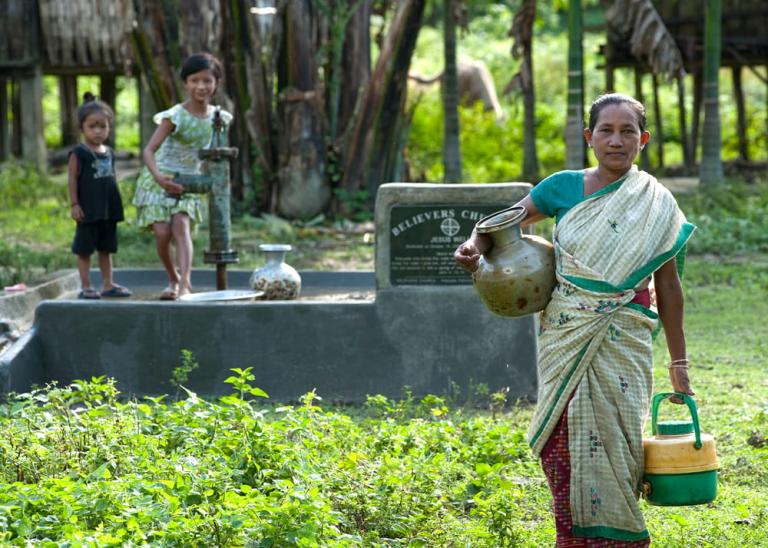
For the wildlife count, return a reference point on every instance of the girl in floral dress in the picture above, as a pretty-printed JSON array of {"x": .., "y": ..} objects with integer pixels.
[{"x": 182, "y": 131}]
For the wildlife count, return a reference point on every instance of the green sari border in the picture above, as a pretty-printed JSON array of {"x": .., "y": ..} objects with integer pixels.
[
  {"x": 686, "y": 230},
  {"x": 596, "y": 286},
  {"x": 603, "y": 191},
  {"x": 643, "y": 310},
  {"x": 609, "y": 532},
  {"x": 560, "y": 391},
  {"x": 677, "y": 251},
  {"x": 609, "y": 188}
]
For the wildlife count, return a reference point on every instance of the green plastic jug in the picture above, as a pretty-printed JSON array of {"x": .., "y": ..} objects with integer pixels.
[{"x": 680, "y": 461}]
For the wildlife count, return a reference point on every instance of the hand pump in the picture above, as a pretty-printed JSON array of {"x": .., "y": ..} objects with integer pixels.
[{"x": 215, "y": 182}]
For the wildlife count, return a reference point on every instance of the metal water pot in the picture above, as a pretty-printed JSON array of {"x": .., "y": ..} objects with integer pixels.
[
  {"x": 680, "y": 460},
  {"x": 517, "y": 276}
]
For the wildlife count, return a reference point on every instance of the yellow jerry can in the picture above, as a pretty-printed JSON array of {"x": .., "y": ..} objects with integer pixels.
[{"x": 680, "y": 460}]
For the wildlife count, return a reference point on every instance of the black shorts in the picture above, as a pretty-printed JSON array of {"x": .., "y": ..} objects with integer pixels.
[{"x": 95, "y": 236}]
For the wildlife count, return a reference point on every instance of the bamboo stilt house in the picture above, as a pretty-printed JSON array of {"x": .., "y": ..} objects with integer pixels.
[
  {"x": 666, "y": 38},
  {"x": 65, "y": 39}
]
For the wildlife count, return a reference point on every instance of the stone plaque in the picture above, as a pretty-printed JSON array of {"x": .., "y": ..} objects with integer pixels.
[{"x": 422, "y": 239}]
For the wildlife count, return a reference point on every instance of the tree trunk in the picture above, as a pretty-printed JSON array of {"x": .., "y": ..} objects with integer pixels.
[
  {"x": 711, "y": 169},
  {"x": 574, "y": 129},
  {"x": 303, "y": 189},
  {"x": 522, "y": 32},
  {"x": 355, "y": 61},
  {"x": 237, "y": 48},
  {"x": 741, "y": 120},
  {"x": 375, "y": 141},
  {"x": 261, "y": 117},
  {"x": 450, "y": 92}
]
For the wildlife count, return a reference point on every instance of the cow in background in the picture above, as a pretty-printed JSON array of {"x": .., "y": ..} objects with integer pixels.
[{"x": 475, "y": 84}]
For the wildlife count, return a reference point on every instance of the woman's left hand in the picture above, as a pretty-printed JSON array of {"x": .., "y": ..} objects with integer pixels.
[{"x": 680, "y": 383}]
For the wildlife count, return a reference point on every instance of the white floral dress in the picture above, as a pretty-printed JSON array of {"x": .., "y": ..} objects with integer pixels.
[{"x": 177, "y": 154}]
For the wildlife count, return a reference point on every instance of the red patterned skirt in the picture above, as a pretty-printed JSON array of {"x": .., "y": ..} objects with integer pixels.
[{"x": 556, "y": 462}]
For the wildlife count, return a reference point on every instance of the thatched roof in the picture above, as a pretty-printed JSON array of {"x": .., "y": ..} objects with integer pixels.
[
  {"x": 639, "y": 23},
  {"x": 744, "y": 38},
  {"x": 71, "y": 36}
]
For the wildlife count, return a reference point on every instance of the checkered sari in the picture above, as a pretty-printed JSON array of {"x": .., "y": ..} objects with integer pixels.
[{"x": 595, "y": 346}]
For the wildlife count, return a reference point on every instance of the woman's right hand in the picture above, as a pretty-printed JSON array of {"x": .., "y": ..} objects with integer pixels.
[
  {"x": 468, "y": 254},
  {"x": 166, "y": 183}
]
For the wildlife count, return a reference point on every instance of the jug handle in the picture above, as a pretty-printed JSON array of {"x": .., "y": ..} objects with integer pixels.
[{"x": 657, "y": 399}]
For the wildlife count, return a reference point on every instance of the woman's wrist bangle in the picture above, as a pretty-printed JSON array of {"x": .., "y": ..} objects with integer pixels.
[{"x": 681, "y": 363}]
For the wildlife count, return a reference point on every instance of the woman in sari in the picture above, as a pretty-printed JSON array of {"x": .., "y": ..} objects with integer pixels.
[{"x": 618, "y": 231}]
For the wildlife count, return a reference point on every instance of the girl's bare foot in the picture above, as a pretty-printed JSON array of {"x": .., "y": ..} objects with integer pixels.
[
  {"x": 170, "y": 293},
  {"x": 185, "y": 289}
]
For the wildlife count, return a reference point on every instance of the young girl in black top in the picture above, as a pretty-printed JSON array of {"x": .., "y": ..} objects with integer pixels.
[{"x": 96, "y": 203}]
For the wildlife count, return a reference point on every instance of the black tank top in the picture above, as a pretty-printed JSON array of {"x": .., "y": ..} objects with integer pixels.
[{"x": 97, "y": 190}]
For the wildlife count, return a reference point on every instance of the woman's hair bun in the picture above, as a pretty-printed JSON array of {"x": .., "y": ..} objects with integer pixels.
[{"x": 88, "y": 97}]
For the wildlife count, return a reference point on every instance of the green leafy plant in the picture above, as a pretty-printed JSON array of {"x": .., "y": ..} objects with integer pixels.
[
  {"x": 180, "y": 373},
  {"x": 241, "y": 383}
]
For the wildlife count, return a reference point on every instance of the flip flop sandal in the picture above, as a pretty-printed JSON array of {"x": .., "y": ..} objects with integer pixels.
[
  {"x": 117, "y": 291},
  {"x": 89, "y": 293}
]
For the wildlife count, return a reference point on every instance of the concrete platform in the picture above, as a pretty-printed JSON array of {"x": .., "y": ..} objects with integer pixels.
[{"x": 426, "y": 338}]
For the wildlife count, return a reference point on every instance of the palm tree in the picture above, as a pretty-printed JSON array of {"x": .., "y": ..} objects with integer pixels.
[
  {"x": 450, "y": 88},
  {"x": 522, "y": 32},
  {"x": 574, "y": 140},
  {"x": 711, "y": 169}
]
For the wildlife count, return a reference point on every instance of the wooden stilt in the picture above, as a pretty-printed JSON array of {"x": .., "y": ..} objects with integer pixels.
[
  {"x": 645, "y": 163},
  {"x": 741, "y": 117},
  {"x": 681, "y": 111},
  {"x": 69, "y": 101},
  {"x": 31, "y": 97},
  {"x": 16, "y": 124},
  {"x": 108, "y": 94},
  {"x": 659, "y": 126},
  {"x": 5, "y": 137},
  {"x": 610, "y": 83},
  {"x": 698, "y": 82}
]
